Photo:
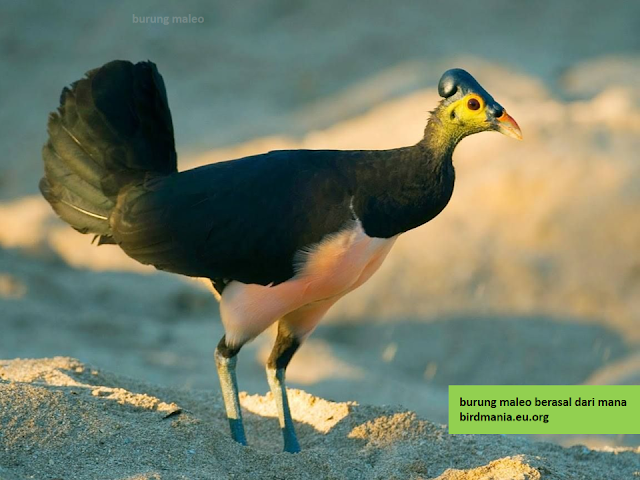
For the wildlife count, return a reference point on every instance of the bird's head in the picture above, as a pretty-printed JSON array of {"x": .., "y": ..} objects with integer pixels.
[{"x": 468, "y": 108}]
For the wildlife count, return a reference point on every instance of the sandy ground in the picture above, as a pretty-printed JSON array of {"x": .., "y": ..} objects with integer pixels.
[
  {"x": 57, "y": 414},
  {"x": 530, "y": 276}
]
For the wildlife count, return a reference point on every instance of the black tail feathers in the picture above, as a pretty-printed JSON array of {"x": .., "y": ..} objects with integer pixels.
[{"x": 112, "y": 129}]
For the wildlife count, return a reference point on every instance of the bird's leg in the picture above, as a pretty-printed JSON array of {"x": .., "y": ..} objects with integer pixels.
[
  {"x": 284, "y": 348},
  {"x": 226, "y": 359}
]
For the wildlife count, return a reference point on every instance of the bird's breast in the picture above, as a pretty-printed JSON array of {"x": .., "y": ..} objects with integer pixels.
[
  {"x": 339, "y": 263},
  {"x": 326, "y": 271}
]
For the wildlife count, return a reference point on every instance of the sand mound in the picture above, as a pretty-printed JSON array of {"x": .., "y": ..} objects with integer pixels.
[{"x": 61, "y": 419}]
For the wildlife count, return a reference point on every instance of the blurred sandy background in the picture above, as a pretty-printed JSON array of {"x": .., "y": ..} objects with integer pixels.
[{"x": 530, "y": 276}]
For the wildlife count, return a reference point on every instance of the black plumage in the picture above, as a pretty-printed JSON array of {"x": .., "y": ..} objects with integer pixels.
[
  {"x": 112, "y": 130},
  {"x": 111, "y": 154},
  {"x": 246, "y": 219}
]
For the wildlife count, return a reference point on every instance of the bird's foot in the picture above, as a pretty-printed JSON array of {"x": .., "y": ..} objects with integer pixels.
[
  {"x": 237, "y": 431},
  {"x": 291, "y": 444}
]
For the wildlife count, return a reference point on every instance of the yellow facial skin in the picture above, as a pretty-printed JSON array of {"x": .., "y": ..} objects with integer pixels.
[{"x": 468, "y": 115}]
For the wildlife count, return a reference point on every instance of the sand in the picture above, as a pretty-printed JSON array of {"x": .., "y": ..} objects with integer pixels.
[
  {"x": 530, "y": 276},
  {"x": 62, "y": 419}
]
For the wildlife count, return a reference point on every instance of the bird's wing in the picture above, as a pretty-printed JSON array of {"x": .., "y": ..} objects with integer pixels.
[{"x": 241, "y": 220}]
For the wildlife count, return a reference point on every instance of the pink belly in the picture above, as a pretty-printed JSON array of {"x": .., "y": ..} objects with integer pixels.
[{"x": 329, "y": 270}]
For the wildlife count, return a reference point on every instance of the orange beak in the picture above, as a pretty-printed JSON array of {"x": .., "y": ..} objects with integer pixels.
[{"x": 506, "y": 125}]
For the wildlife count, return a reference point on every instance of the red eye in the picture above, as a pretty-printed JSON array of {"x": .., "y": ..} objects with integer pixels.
[{"x": 473, "y": 104}]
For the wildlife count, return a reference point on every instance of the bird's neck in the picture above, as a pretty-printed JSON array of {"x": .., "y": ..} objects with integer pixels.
[
  {"x": 401, "y": 189},
  {"x": 441, "y": 136}
]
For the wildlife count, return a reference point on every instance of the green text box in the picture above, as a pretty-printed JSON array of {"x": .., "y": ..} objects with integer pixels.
[{"x": 525, "y": 409}]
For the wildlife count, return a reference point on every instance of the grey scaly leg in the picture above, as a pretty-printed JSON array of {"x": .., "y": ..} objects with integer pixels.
[
  {"x": 226, "y": 360},
  {"x": 284, "y": 348}
]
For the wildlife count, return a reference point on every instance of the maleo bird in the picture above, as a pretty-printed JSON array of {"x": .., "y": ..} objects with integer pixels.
[{"x": 281, "y": 236}]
